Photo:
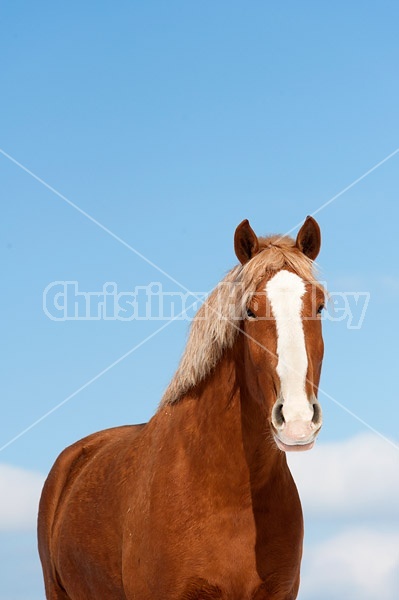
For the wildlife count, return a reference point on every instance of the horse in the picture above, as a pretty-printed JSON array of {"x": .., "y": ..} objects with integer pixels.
[{"x": 199, "y": 503}]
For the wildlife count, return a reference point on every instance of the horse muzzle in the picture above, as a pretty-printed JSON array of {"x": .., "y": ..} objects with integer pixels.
[{"x": 298, "y": 434}]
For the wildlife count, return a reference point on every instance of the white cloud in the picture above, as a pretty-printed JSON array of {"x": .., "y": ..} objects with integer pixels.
[
  {"x": 19, "y": 497},
  {"x": 355, "y": 478},
  {"x": 358, "y": 564}
]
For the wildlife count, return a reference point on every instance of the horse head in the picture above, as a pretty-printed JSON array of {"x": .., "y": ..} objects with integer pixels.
[{"x": 283, "y": 343}]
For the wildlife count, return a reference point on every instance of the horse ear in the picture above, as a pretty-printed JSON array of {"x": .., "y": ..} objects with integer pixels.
[
  {"x": 246, "y": 243},
  {"x": 308, "y": 239}
]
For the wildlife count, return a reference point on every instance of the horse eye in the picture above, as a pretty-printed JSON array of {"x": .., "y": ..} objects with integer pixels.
[
  {"x": 320, "y": 309},
  {"x": 250, "y": 314}
]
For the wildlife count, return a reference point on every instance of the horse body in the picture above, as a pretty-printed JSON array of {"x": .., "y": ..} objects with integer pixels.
[{"x": 196, "y": 504}]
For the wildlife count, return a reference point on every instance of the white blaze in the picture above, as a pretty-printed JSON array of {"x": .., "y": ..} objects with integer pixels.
[{"x": 285, "y": 291}]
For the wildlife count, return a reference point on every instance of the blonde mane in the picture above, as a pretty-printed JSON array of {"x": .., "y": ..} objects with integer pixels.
[{"x": 217, "y": 322}]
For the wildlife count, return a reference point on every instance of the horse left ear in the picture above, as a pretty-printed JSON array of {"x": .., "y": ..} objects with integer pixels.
[
  {"x": 246, "y": 243},
  {"x": 308, "y": 239}
]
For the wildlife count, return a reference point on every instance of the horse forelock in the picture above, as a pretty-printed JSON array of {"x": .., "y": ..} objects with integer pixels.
[{"x": 217, "y": 322}]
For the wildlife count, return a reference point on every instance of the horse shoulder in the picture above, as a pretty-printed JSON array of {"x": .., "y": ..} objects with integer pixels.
[{"x": 58, "y": 485}]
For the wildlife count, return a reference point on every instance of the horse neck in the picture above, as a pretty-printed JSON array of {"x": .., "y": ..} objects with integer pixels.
[{"x": 223, "y": 420}]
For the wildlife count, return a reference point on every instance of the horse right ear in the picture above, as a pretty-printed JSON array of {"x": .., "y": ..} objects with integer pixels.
[
  {"x": 309, "y": 238},
  {"x": 246, "y": 243}
]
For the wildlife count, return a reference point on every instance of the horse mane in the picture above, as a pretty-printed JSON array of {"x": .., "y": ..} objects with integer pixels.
[{"x": 217, "y": 322}]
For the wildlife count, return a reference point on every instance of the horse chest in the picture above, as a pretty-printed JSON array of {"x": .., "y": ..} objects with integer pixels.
[{"x": 217, "y": 557}]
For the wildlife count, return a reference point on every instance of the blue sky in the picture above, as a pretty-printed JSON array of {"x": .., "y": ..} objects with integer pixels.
[{"x": 169, "y": 123}]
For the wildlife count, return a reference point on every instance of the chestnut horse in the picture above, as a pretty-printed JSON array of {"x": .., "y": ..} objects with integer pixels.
[{"x": 199, "y": 503}]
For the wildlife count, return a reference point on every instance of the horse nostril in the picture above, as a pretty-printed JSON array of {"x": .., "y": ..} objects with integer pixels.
[
  {"x": 277, "y": 415},
  {"x": 316, "y": 419}
]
